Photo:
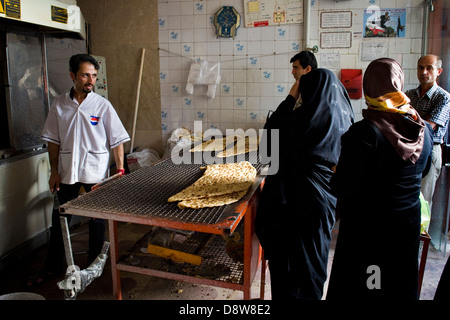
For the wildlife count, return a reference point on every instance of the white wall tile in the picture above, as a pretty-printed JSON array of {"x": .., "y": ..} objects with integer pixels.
[
  {"x": 240, "y": 90},
  {"x": 176, "y": 115},
  {"x": 267, "y": 89},
  {"x": 281, "y": 89},
  {"x": 240, "y": 103},
  {"x": 253, "y": 62},
  {"x": 201, "y": 22},
  {"x": 187, "y": 8},
  {"x": 188, "y": 101},
  {"x": 254, "y": 34},
  {"x": 163, "y": 36},
  {"x": 214, "y": 116},
  {"x": 200, "y": 35},
  {"x": 254, "y": 47},
  {"x": 175, "y": 48},
  {"x": 214, "y": 104},
  {"x": 268, "y": 33},
  {"x": 174, "y": 22},
  {"x": 226, "y": 102},
  {"x": 240, "y": 48},
  {"x": 200, "y": 115},
  {"x": 226, "y": 47},
  {"x": 200, "y": 7},
  {"x": 253, "y": 102},
  {"x": 282, "y": 75},
  {"x": 348, "y": 61},
  {"x": 227, "y": 76},
  {"x": 357, "y": 105},
  {"x": 226, "y": 115},
  {"x": 173, "y": 8},
  {"x": 267, "y": 75},
  {"x": 255, "y": 65},
  {"x": 410, "y": 60},
  {"x": 358, "y": 117},
  {"x": 253, "y": 75},
  {"x": 267, "y": 47},
  {"x": 226, "y": 62},
  {"x": 240, "y": 62},
  {"x": 240, "y": 75},
  {"x": 187, "y": 35},
  {"x": 163, "y": 8},
  {"x": 267, "y": 62},
  {"x": 253, "y": 89},
  {"x": 174, "y": 35},
  {"x": 416, "y": 45},
  {"x": 212, "y": 6},
  {"x": 240, "y": 116}
]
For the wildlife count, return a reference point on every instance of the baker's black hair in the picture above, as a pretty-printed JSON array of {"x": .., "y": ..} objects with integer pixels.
[{"x": 75, "y": 60}]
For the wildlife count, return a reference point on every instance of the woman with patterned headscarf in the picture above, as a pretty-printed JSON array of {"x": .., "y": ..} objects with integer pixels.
[{"x": 377, "y": 183}]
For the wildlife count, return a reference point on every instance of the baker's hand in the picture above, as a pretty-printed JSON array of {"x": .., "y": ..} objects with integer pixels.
[
  {"x": 53, "y": 182},
  {"x": 295, "y": 90}
]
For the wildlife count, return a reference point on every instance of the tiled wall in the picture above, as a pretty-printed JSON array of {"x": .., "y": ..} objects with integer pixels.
[{"x": 255, "y": 68}]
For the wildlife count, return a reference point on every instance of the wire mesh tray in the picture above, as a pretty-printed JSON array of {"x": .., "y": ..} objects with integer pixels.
[
  {"x": 144, "y": 192},
  {"x": 216, "y": 263}
]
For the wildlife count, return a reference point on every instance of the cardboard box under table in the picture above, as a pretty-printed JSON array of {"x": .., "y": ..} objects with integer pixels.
[{"x": 205, "y": 257}]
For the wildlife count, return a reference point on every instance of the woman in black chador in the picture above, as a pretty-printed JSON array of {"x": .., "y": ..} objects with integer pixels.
[
  {"x": 377, "y": 182},
  {"x": 296, "y": 211}
]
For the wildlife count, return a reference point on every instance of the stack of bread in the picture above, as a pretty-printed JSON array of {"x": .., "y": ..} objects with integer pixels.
[{"x": 221, "y": 184}]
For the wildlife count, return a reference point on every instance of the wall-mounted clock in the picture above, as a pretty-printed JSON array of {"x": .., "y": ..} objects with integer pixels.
[{"x": 227, "y": 20}]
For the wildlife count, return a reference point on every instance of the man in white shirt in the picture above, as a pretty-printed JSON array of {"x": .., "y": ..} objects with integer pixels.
[{"x": 80, "y": 129}]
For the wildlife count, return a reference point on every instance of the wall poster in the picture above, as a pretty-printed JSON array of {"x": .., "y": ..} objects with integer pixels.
[
  {"x": 260, "y": 13},
  {"x": 382, "y": 22}
]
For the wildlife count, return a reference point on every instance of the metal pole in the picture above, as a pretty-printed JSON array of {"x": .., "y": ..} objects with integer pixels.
[
  {"x": 306, "y": 15},
  {"x": 66, "y": 239},
  {"x": 426, "y": 11}
]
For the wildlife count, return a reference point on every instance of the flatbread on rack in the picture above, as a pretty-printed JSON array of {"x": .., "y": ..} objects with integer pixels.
[
  {"x": 217, "y": 144},
  {"x": 241, "y": 146},
  {"x": 226, "y": 181},
  {"x": 215, "y": 201}
]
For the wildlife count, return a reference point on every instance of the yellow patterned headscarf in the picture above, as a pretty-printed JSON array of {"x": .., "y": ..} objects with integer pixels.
[
  {"x": 389, "y": 108},
  {"x": 393, "y": 102}
]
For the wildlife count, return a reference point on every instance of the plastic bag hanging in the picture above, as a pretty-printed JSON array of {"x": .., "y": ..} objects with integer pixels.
[{"x": 204, "y": 73}]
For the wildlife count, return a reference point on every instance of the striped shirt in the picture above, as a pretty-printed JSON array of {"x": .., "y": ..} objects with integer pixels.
[{"x": 434, "y": 106}]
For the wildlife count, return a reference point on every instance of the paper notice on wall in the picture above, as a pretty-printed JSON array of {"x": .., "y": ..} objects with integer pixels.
[
  {"x": 336, "y": 19},
  {"x": 260, "y": 13},
  {"x": 330, "y": 61},
  {"x": 335, "y": 40},
  {"x": 374, "y": 50},
  {"x": 253, "y": 6}
]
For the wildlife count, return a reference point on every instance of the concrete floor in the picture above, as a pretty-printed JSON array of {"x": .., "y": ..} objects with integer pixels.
[{"x": 142, "y": 287}]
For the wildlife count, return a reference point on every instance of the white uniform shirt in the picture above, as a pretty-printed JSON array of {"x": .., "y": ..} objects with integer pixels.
[{"x": 85, "y": 134}]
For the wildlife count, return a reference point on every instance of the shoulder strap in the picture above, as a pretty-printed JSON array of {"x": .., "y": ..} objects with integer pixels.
[{"x": 375, "y": 128}]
